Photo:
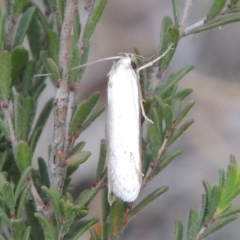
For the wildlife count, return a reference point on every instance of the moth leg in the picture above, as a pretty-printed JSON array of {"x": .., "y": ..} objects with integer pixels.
[{"x": 141, "y": 103}]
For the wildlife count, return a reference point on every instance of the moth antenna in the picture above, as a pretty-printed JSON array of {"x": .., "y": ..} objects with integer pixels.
[
  {"x": 101, "y": 60},
  {"x": 155, "y": 60}
]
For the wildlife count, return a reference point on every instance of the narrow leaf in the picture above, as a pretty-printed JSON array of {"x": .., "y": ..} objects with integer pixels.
[
  {"x": 94, "y": 18},
  {"x": 86, "y": 196},
  {"x": 18, "y": 227},
  {"x": 192, "y": 225},
  {"x": 8, "y": 196},
  {"x": 22, "y": 182},
  {"x": 79, "y": 228},
  {"x": 22, "y": 200},
  {"x": 178, "y": 231},
  {"x": 175, "y": 13},
  {"x": 101, "y": 160},
  {"x": 23, "y": 156},
  {"x": 23, "y": 26},
  {"x": 151, "y": 197},
  {"x": 75, "y": 160},
  {"x": 169, "y": 36},
  {"x": 216, "y": 8},
  {"x": 5, "y": 76},
  {"x": 83, "y": 111},
  {"x": 218, "y": 225},
  {"x": 52, "y": 45},
  {"x": 49, "y": 230},
  {"x": 54, "y": 197},
  {"x": 28, "y": 109},
  {"x": 54, "y": 70},
  {"x": 173, "y": 79}
]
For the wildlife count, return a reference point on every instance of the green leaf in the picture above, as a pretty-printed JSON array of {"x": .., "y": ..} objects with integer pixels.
[
  {"x": 167, "y": 158},
  {"x": 23, "y": 156},
  {"x": 176, "y": 16},
  {"x": 28, "y": 109},
  {"x": 70, "y": 212},
  {"x": 213, "y": 203},
  {"x": 5, "y": 76},
  {"x": 22, "y": 183},
  {"x": 23, "y": 26},
  {"x": 216, "y": 23},
  {"x": 19, "y": 6},
  {"x": 169, "y": 36},
  {"x": 78, "y": 147},
  {"x": 34, "y": 138},
  {"x": 49, "y": 230},
  {"x": 75, "y": 58},
  {"x": 28, "y": 76},
  {"x": 54, "y": 70},
  {"x": 43, "y": 117},
  {"x": 178, "y": 231},
  {"x": 19, "y": 62},
  {"x": 93, "y": 19},
  {"x": 168, "y": 116},
  {"x": 34, "y": 34},
  {"x": 105, "y": 213},
  {"x": 54, "y": 196},
  {"x": 91, "y": 119},
  {"x": 86, "y": 196},
  {"x": 27, "y": 232},
  {"x": 22, "y": 200},
  {"x": 101, "y": 160},
  {"x": 192, "y": 225},
  {"x": 154, "y": 139},
  {"x": 221, "y": 178},
  {"x": 75, "y": 160},
  {"x": 184, "y": 112},
  {"x": 116, "y": 219},
  {"x": 36, "y": 228},
  {"x": 83, "y": 60},
  {"x": 173, "y": 79},
  {"x": 178, "y": 132},
  {"x": 203, "y": 212},
  {"x": 82, "y": 112},
  {"x": 5, "y": 217},
  {"x": 230, "y": 212},
  {"x": 8, "y": 196},
  {"x": 215, "y": 9},
  {"x": 79, "y": 228},
  {"x": 17, "y": 114},
  {"x": 43, "y": 170},
  {"x": 52, "y": 45},
  {"x": 38, "y": 90},
  {"x": 18, "y": 227},
  {"x": 151, "y": 197},
  {"x": 2, "y": 31},
  {"x": 218, "y": 225},
  {"x": 60, "y": 12}
]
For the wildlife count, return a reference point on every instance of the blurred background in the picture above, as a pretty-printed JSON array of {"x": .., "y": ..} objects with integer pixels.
[{"x": 209, "y": 141}]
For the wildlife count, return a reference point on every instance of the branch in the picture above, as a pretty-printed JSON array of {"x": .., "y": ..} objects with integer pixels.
[
  {"x": 186, "y": 12},
  {"x": 8, "y": 118},
  {"x": 153, "y": 165},
  {"x": 57, "y": 171}
]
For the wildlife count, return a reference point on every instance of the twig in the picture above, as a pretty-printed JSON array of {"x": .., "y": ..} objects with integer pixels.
[
  {"x": 153, "y": 165},
  {"x": 56, "y": 170},
  {"x": 186, "y": 12},
  {"x": 186, "y": 31},
  {"x": 8, "y": 118}
]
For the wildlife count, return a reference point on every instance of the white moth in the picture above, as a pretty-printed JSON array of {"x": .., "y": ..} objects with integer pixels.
[
  {"x": 123, "y": 132},
  {"x": 123, "y": 129}
]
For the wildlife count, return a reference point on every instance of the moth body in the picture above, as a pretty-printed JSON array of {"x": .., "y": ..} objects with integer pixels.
[{"x": 123, "y": 131}]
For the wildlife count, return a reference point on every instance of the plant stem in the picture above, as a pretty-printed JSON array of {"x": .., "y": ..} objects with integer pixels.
[{"x": 56, "y": 162}]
